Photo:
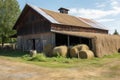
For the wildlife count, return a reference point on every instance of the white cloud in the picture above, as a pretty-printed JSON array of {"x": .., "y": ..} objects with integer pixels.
[
  {"x": 100, "y": 5},
  {"x": 115, "y": 3},
  {"x": 105, "y": 20},
  {"x": 97, "y": 13}
]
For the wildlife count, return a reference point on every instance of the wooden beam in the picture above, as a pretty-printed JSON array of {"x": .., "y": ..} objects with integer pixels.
[{"x": 68, "y": 40}]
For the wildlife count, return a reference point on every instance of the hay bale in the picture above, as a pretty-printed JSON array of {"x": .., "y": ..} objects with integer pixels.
[
  {"x": 48, "y": 50},
  {"x": 60, "y": 50},
  {"x": 86, "y": 54},
  {"x": 75, "y": 50},
  {"x": 119, "y": 50},
  {"x": 83, "y": 47}
]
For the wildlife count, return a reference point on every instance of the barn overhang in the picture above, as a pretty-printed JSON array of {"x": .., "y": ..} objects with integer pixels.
[{"x": 77, "y": 34}]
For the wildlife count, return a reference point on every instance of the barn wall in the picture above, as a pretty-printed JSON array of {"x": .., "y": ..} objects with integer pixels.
[
  {"x": 77, "y": 29},
  {"x": 33, "y": 23},
  {"x": 25, "y": 42}
]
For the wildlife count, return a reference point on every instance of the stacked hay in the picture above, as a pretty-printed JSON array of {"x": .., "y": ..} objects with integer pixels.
[
  {"x": 74, "y": 51},
  {"x": 107, "y": 44},
  {"x": 86, "y": 54},
  {"x": 60, "y": 51},
  {"x": 48, "y": 50},
  {"x": 119, "y": 50}
]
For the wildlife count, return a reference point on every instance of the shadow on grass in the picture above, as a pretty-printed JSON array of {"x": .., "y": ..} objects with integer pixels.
[{"x": 12, "y": 53}]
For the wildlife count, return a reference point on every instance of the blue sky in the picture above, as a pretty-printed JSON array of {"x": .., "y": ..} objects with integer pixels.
[{"x": 106, "y": 12}]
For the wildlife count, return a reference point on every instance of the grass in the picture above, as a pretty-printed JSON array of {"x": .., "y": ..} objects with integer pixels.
[
  {"x": 105, "y": 68},
  {"x": 59, "y": 62}
]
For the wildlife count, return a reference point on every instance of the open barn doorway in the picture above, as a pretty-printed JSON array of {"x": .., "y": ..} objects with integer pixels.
[
  {"x": 68, "y": 40},
  {"x": 74, "y": 40},
  {"x": 61, "y": 39}
]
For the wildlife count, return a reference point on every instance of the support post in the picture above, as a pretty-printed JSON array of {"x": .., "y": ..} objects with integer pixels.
[{"x": 68, "y": 40}]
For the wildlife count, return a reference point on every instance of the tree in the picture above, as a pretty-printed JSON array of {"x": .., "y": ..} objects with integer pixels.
[
  {"x": 9, "y": 12},
  {"x": 116, "y": 33}
]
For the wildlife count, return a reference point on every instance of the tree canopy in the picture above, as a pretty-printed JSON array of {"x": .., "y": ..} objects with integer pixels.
[
  {"x": 116, "y": 33},
  {"x": 9, "y": 12}
]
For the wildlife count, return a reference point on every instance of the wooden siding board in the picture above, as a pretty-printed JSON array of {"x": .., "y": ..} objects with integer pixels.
[
  {"x": 33, "y": 23},
  {"x": 26, "y": 43},
  {"x": 75, "y": 28}
]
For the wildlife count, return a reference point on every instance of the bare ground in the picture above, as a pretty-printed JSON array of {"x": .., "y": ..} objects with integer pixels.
[{"x": 10, "y": 70}]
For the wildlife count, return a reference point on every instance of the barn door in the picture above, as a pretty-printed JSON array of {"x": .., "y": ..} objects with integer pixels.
[{"x": 33, "y": 46}]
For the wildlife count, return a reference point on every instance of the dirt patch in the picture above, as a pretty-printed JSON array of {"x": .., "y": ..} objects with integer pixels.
[{"x": 10, "y": 70}]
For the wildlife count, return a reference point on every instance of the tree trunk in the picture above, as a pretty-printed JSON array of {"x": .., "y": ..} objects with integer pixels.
[{"x": 3, "y": 39}]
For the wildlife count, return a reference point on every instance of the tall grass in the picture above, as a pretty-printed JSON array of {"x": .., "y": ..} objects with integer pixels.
[{"x": 42, "y": 60}]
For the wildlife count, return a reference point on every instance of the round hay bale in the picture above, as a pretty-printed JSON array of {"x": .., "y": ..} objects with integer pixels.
[
  {"x": 86, "y": 54},
  {"x": 83, "y": 47},
  {"x": 119, "y": 50},
  {"x": 48, "y": 50},
  {"x": 75, "y": 50},
  {"x": 68, "y": 53},
  {"x": 60, "y": 51}
]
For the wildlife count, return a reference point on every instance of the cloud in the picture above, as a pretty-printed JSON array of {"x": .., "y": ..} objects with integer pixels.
[
  {"x": 115, "y": 3},
  {"x": 97, "y": 13},
  {"x": 100, "y": 5},
  {"x": 105, "y": 20}
]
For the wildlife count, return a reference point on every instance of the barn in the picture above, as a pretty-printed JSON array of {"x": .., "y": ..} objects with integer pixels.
[{"x": 37, "y": 27}]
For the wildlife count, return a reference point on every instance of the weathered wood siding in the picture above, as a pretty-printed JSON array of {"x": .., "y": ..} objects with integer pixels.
[
  {"x": 33, "y": 23},
  {"x": 77, "y": 28},
  {"x": 41, "y": 40}
]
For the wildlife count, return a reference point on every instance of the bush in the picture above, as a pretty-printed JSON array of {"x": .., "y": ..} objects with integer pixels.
[
  {"x": 26, "y": 57},
  {"x": 39, "y": 57}
]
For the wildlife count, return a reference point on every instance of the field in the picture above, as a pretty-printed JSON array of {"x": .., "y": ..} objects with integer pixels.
[{"x": 16, "y": 65}]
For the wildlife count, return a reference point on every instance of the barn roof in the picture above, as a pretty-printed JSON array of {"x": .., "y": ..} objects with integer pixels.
[{"x": 65, "y": 19}]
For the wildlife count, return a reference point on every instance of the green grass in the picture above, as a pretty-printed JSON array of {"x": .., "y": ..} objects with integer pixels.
[
  {"x": 109, "y": 64},
  {"x": 59, "y": 62}
]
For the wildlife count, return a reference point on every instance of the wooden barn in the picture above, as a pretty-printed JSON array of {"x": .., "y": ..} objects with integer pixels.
[{"x": 37, "y": 27}]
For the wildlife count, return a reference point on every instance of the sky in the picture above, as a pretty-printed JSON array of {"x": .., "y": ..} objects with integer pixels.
[{"x": 106, "y": 12}]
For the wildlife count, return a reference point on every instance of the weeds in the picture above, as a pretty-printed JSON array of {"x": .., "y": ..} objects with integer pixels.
[{"x": 41, "y": 59}]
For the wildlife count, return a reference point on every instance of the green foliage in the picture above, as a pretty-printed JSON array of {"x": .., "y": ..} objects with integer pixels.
[
  {"x": 39, "y": 57},
  {"x": 116, "y": 33},
  {"x": 9, "y": 12},
  {"x": 60, "y": 62}
]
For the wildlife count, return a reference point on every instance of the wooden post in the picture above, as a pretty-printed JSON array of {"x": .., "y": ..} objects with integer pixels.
[{"x": 68, "y": 39}]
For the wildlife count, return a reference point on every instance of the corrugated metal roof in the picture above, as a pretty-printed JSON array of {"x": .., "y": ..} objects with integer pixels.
[
  {"x": 67, "y": 19},
  {"x": 51, "y": 19},
  {"x": 92, "y": 23}
]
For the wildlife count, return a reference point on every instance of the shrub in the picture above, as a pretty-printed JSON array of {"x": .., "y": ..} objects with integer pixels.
[{"x": 39, "y": 57}]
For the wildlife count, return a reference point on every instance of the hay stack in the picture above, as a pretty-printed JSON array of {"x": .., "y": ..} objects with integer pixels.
[
  {"x": 76, "y": 49},
  {"x": 83, "y": 47},
  {"x": 60, "y": 50},
  {"x": 86, "y": 54},
  {"x": 119, "y": 50},
  {"x": 48, "y": 50},
  {"x": 74, "y": 52}
]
